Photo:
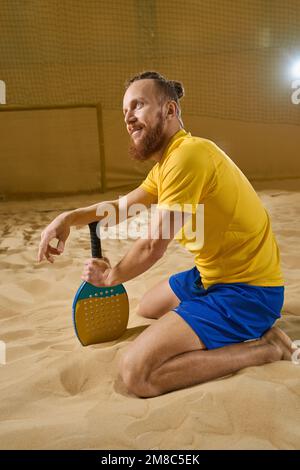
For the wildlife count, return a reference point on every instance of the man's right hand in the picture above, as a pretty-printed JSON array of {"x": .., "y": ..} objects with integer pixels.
[{"x": 59, "y": 229}]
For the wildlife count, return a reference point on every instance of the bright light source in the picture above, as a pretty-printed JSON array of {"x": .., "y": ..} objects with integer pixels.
[{"x": 296, "y": 69}]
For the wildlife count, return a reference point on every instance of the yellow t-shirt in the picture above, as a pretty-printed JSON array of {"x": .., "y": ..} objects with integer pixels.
[{"x": 239, "y": 245}]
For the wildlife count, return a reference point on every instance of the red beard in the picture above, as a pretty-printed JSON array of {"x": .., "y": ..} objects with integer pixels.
[{"x": 150, "y": 143}]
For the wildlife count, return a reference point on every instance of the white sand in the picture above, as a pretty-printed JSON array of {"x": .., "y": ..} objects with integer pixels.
[{"x": 56, "y": 394}]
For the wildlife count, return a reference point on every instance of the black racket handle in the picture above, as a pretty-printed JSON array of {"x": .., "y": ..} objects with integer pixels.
[{"x": 95, "y": 241}]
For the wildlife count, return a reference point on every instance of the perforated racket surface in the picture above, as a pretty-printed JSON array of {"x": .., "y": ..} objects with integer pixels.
[{"x": 99, "y": 313}]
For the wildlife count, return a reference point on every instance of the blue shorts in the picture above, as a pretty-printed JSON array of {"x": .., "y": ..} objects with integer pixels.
[{"x": 224, "y": 314}]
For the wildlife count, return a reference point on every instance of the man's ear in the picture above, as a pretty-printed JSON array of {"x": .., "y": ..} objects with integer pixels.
[{"x": 172, "y": 109}]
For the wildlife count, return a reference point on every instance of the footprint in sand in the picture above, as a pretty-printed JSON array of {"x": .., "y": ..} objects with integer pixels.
[{"x": 77, "y": 377}]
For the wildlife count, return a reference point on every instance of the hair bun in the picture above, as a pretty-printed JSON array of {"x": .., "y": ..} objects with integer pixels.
[{"x": 178, "y": 88}]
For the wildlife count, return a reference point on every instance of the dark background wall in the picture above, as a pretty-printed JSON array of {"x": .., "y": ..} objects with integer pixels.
[{"x": 232, "y": 56}]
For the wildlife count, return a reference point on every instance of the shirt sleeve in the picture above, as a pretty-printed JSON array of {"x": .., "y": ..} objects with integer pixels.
[{"x": 186, "y": 179}]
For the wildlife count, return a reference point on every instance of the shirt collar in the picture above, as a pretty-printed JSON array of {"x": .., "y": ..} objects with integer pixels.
[{"x": 173, "y": 143}]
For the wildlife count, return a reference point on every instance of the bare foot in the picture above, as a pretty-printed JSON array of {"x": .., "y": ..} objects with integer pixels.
[{"x": 281, "y": 342}]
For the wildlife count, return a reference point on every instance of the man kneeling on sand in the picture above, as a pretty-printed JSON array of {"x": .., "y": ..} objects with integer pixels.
[{"x": 217, "y": 317}]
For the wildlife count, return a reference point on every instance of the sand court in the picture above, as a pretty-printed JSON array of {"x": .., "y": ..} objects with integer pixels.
[
  {"x": 92, "y": 106},
  {"x": 56, "y": 394}
]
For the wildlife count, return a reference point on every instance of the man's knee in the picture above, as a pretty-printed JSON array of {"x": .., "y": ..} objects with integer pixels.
[
  {"x": 147, "y": 310},
  {"x": 140, "y": 310},
  {"x": 157, "y": 301},
  {"x": 144, "y": 310},
  {"x": 133, "y": 376}
]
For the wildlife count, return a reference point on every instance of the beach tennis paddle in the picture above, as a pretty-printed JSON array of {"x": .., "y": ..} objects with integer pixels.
[{"x": 99, "y": 313}]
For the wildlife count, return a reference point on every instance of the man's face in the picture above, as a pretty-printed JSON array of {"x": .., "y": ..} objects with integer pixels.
[{"x": 144, "y": 119}]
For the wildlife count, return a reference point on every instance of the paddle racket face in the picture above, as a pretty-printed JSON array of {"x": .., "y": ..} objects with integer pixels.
[{"x": 99, "y": 313}]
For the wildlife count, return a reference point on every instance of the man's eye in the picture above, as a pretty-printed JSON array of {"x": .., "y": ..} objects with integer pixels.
[{"x": 139, "y": 104}]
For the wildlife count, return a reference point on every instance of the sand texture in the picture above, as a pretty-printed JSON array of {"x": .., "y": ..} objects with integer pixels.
[{"x": 56, "y": 394}]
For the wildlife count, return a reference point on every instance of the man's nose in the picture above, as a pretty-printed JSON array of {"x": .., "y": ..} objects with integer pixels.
[{"x": 129, "y": 117}]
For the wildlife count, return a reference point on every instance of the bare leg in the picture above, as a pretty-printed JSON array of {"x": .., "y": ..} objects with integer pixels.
[
  {"x": 200, "y": 366},
  {"x": 159, "y": 300}
]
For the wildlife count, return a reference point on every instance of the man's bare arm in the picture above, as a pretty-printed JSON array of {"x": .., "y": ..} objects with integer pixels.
[
  {"x": 144, "y": 253},
  {"x": 86, "y": 215},
  {"x": 59, "y": 228}
]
